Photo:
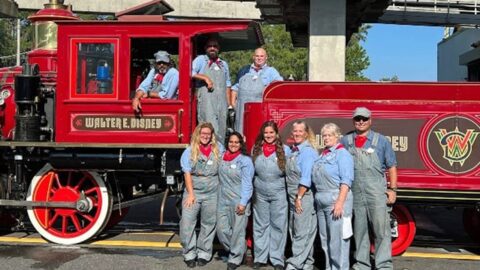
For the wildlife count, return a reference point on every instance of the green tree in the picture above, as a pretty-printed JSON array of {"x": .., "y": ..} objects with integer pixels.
[
  {"x": 356, "y": 58},
  {"x": 394, "y": 78}
]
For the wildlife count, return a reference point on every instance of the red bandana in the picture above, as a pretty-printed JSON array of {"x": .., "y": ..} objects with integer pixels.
[
  {"x": 326, "y": 151},
  {"x": 206, "y": 149},
  {"x": 229, "y": 156},
  {"x": 159, "y": 77},
  {"x": 217, "y": 61},
  {"x": 360, "y": 141},
  {"x": 269, "y": 148}
]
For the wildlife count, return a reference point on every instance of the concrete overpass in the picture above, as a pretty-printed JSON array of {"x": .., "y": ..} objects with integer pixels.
[
  {"x": 183, "y": 8},
  {"x": 8, "y": 8}
]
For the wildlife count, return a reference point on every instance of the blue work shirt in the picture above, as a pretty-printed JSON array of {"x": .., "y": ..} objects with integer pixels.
[
  {"x": 267, "y": 74},
  {"x": 338, "y": 164},
  {"x": 247, "y": 172},
  {"x": 201, "y": 62},
  {"x": 384, "y": 149},
  {"x": 186, "y": 162},
  {"x": 305, "y": 159},
  {"x": 169, "y": 83}
]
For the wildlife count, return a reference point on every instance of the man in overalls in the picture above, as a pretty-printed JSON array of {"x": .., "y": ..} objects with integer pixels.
[
  {"x": 161, "y": 81},
  {"x": 213, "y": 88},
  {"x": 373, "y": 155},
  {"x": 251, "y": 81}
]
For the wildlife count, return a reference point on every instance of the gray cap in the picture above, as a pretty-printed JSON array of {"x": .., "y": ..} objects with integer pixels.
[
  {"x": 162, "y": 56},
  {"x": 362, "y": 111}
]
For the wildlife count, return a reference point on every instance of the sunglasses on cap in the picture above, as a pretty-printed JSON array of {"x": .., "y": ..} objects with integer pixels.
[
  {"x": 361, "y": 118},
  {"x": 162, "y": 63}
]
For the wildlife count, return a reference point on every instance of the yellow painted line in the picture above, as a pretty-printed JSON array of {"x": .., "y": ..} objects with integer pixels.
[
  {"x": 151, "y": 233},
  {"x": 136, "y": 243},
  {"x": 442, "y": 256},
  {"x": 98, "y": 243},
  {"x": 22, "y": 240}
]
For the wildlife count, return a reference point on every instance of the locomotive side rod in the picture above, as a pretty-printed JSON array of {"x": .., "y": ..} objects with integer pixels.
[{"x": 83, "y": 204}]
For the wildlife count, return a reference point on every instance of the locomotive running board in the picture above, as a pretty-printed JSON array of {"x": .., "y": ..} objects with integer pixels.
[
  {"x": 139, "y": 200},
  {"x": 93, "y": 145}
]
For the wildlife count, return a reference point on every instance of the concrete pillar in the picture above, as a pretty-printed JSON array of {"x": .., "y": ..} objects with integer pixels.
[{"x": 327, "y": 40}]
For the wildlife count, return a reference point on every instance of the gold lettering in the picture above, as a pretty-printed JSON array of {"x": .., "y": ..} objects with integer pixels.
[
  {"x": 159, "y": 123},
  {"x": 88, "y": 122},
  {"x": 403, "y": 143},
  {"x": 125, "y": 123},
  {"x": 399, "y": 143}
]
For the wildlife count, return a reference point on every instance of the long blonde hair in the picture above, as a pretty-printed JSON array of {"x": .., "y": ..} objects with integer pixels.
[
  {"x": 195, "y": 142},
  {"x": 310, "y": 135}
]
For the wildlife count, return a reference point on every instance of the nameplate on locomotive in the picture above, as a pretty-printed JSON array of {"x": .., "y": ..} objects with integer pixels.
[{"x": 162, "y": 123}]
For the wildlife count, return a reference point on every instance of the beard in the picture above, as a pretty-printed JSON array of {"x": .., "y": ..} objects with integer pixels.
[{"x": 212, "y": 54}]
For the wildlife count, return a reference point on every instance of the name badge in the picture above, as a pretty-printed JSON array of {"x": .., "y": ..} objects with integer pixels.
[
  {"x": 233, "y": 166},
  {"x": 209, "y": 162},
  {"x": 255, "y": 77},
  {"x": 216, "y": 68}
]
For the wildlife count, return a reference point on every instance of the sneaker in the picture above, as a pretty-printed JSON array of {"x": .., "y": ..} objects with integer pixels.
[
  {"x": 278, "y": 267},
  {"x": 190, "y": 263},
  {"x": 231, "y": 266},
  {"x": 258, "y": 265},
  {"x": 202, "y": 262}
]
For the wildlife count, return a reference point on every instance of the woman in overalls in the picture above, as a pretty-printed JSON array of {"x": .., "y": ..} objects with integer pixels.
[
  {"x": 270, "y": 207},
  {"x": 200, "y": 162},
  {"x": 333, "y": 176},
  {"x": 236, "y": 175},
  {"x": 302, "y": 216}
]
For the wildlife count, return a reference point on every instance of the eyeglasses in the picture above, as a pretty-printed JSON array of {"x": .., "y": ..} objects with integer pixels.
[
  {"x": 162, "y": 63},
  {"x": 361, "y": 118},
  {"x": 234, "y": 142}
]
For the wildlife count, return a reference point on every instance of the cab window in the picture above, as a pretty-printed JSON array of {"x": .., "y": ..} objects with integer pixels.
[{"x": 94, "y": 68}]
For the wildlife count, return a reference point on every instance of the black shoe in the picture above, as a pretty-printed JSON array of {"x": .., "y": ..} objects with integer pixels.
[
  {"x": 190, "y": 263},
  {"x": 278, "y": 267},
  {"x": 258, "y": 265},
  {"x": 202, "y": 262},
  {"x": 231, "y": 266}
]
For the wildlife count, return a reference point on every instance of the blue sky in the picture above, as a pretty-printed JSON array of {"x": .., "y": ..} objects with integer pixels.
[{"x": 410, "y": 52}]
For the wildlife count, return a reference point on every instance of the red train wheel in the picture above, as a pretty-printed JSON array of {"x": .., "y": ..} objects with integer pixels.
[
  {"x": 406, "y": 229},
  {"x": 69, "y": 226},
  {"x": 471, "y": 223}
]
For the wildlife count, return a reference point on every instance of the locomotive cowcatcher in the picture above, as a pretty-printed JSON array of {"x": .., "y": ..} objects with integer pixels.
[{"x": 73, "y": 150}]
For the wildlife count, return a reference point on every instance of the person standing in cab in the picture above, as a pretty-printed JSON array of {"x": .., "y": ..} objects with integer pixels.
[
  {"x": 200, "y": 162},
  {"x": 213, "y": 88},
  {"x": 161, "y": 81},
  {"x": 270, "y": 206},
  {"x": 302, "y": 216},
  {"x": 332, "y": 176},
  {"x": 251, "y": 81},
  {"x": 236, "y": 175},
  {"x": 373, "y": 155}
]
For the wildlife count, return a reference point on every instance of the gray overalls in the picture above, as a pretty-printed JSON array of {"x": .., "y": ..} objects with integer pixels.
[
  {"x": 205, "y": 187},
  {"x": 212, "y": 106},
  {"x": 370, "y": 207},
  {"x": 334, "y": 244},
  {"x": 250, "y": 89},
  {"x": 270, "y": 211},
  {"x": 302, "y": 227},
  {"x": 231, "y": 228}
]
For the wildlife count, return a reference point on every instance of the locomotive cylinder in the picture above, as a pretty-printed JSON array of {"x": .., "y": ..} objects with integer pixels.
[{"x": 27, "y": 119}]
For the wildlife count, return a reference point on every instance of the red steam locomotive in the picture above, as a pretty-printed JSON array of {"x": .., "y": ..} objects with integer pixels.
[{"x": 73, "y": 150}]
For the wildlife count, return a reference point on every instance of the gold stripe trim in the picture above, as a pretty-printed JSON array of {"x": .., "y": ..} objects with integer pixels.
[{"x": 442, "y": 256}]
